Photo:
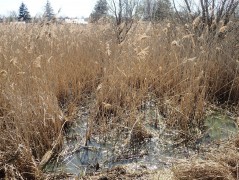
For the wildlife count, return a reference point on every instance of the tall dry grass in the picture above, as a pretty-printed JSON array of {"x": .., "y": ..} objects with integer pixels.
[
  {"x": 47, "y": 71},
  {"x": 44, "y": 70}
]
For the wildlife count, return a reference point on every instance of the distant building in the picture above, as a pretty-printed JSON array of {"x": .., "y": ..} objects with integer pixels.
[
  {"x": 18, "y": 23},
  {"x": 75, "y": 21}
]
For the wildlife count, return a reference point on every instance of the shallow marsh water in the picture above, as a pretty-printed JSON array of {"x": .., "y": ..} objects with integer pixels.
[
  {"x": 153, "y": 153},
  {"x": 219, "y": 126}
]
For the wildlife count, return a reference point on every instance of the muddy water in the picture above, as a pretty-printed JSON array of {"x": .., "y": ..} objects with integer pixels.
[{"x": 157, "y": 151}]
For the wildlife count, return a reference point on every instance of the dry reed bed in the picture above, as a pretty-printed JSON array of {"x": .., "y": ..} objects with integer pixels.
[
  {"x": 47, "y": 71},
  {"x": 220, "y": 163},
  {"x": 40, "y": 75}
]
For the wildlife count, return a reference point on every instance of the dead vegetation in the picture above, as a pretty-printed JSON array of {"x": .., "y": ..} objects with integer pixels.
[
  {"x": 221, "y": 163},
  {"x": 46, "y": 72},
  {"x": 200, "y": 169}
]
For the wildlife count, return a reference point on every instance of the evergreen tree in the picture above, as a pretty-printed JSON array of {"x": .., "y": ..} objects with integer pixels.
[
  {"x": 163, "y": 10},
  {"x": 49, "y": 13},
  {"x": 100, "y": 10},
  {"x": 24, "y": 13}
]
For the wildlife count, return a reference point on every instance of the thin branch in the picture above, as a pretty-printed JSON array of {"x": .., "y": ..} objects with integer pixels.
[{"x": 176, "y": 10}]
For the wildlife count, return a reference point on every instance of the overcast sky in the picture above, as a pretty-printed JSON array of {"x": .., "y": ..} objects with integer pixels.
[{"x": 71, "y": 8}]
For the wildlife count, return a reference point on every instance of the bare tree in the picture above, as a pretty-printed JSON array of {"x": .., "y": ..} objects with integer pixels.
[
  {"x": 116, "y": 9},
  {"x": 123, "y": 12},
  {"x": 162, "y": 10},
  {"x": 186, "y": 10},
  {"x": 226, "y": 9},
  {"x": 210, "y": 10},
  {"x": 188, "y": 5},
  {"x": 12, "y": 16},
  {"x": 216, "y": 11},
  {"x": 149, "y": 9}
]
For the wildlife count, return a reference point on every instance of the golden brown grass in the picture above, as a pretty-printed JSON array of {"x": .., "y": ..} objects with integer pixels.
[
  {"x": 201, "y": 169},
  {"x": 220, "y": 163},
  {"x": 47, "y": 71}
]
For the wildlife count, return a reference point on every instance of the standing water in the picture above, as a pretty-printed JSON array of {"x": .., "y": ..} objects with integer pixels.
[{"x": 155, "y": 151}]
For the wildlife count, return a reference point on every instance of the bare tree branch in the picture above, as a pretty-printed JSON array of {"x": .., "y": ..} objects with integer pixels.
[
  {"x": 178, "y": 15},
  {"x": 188, "y": 6}
]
